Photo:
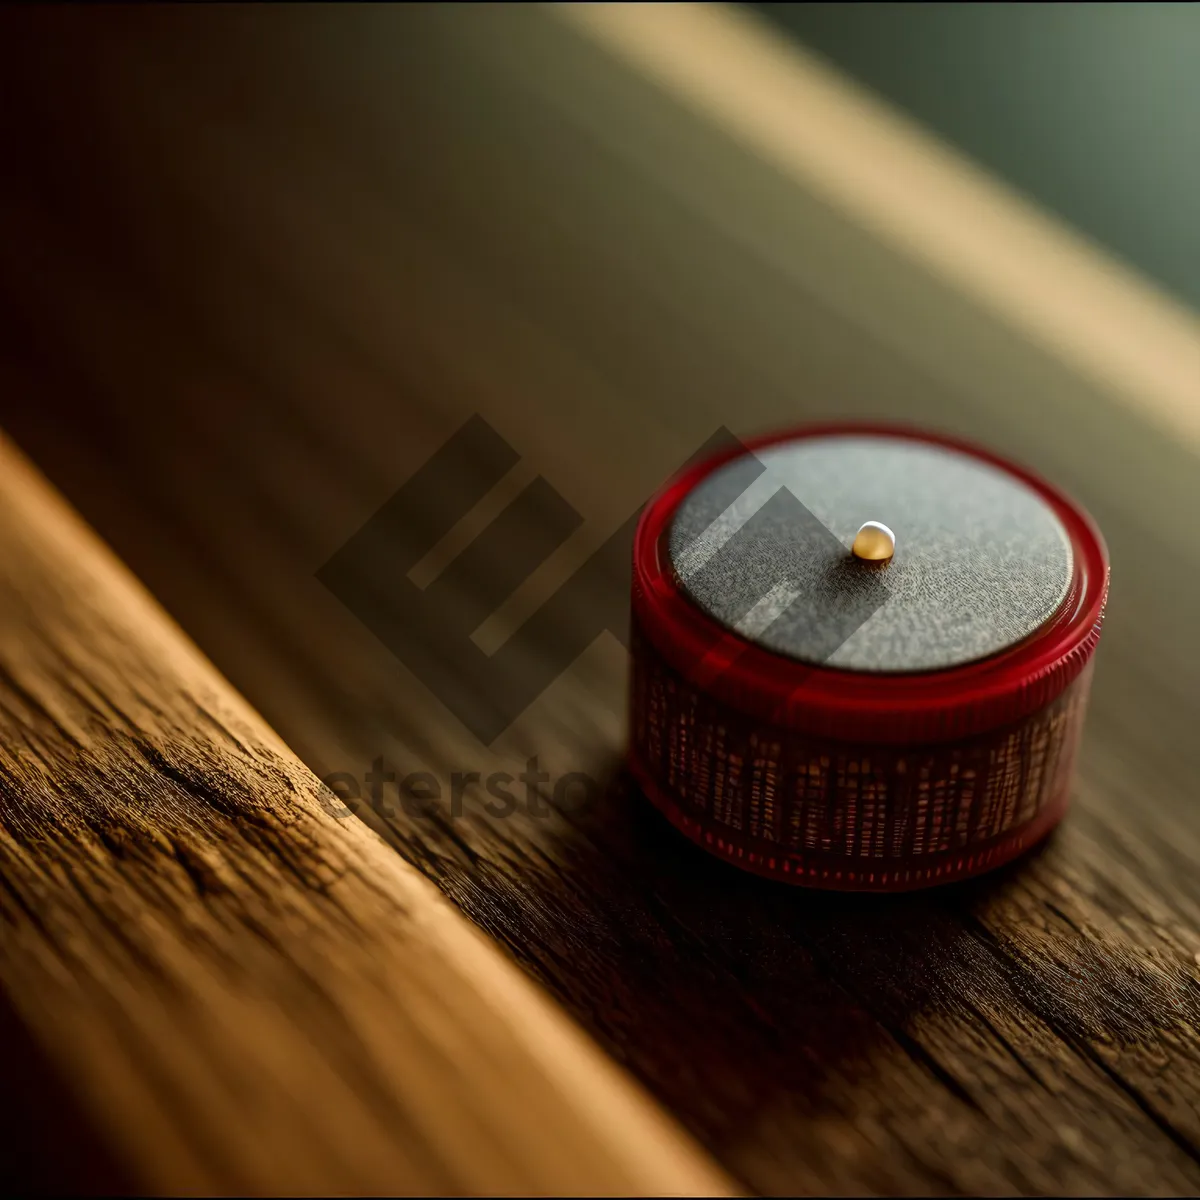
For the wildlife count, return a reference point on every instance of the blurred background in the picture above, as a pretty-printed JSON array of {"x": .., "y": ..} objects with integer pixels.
[
  {"x": 259, "y": 262},
  {"x": 1089, "y": 109}
]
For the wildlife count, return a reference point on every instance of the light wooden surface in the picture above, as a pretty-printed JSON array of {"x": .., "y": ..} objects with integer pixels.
[
  {"x": 239, "y": 318},
  {"x": 245, "y": 994}
]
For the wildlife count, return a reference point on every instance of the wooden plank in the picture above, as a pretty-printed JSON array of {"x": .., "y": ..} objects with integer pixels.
[
  {"x": 299, "y": 272},
  {"x": 246, "y": 994},
  {"x": 889, "y": 176}
]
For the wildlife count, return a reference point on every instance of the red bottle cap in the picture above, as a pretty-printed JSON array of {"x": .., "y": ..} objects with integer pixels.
[{"x": 840, "y": 722}]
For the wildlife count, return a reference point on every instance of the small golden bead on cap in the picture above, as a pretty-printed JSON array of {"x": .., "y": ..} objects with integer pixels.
[{"x": 874, "y": 542}]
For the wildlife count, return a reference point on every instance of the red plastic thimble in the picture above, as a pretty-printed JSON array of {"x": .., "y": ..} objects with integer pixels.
[{"x": 866, "y": 721}]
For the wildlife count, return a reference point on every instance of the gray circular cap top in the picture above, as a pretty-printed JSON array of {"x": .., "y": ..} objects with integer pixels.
[{"x": 763, "y": 546}]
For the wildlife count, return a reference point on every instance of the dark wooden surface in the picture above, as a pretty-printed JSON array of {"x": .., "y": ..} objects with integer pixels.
[{"x": 239, "y": 316}]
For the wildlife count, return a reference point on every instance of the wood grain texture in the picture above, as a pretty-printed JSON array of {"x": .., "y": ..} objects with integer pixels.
[
  {"x": 246, "y": 994},
  {"x": 240, "y": 317}
]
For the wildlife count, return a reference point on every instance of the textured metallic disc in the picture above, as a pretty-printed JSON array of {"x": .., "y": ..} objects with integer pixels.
[{"x": 763, "y": 546}]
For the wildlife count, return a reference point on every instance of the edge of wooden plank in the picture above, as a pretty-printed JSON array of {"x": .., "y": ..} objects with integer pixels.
[{"x": 180, "y": 1012}]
